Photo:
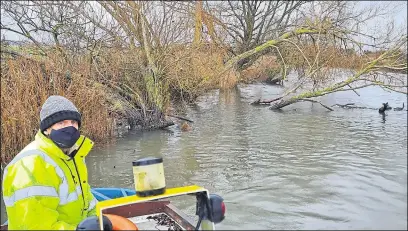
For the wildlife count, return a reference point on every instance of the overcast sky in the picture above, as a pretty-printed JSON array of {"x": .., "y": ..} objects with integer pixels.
[{"x": 400, "y": 13}]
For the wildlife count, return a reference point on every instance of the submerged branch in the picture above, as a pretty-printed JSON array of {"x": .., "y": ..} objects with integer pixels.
[
  {"x": 314, "y": 101},
  {"x": 266, "y": 101},
  {"x": 351, "y": 106},
  {"x": 179, "y": 117},
  {"x": 353, "y": 89}
]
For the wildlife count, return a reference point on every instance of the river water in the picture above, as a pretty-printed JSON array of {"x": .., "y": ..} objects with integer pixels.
[{"x": 301, "y": 168}]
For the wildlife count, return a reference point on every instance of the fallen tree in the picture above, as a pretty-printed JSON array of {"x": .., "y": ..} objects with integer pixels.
[
  {"x": 368, "y": 76},
  {"x": 372, "y": 74},
  {"x": 327, "y": 45}
]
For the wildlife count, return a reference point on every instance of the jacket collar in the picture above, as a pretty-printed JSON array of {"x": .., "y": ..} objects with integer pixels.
[{"x": 51, "y": 148}]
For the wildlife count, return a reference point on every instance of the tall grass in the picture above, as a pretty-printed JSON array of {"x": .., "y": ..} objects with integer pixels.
[
  {"x": 26, "y": 84},
  {"x": 110, "y": 88},
  {"x": 191, "y": 71}
]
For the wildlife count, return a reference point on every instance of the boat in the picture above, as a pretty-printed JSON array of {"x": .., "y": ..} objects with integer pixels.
[
  {"x": 122, "y": 205},
  {"x": 149, "y": 206},
  {"x": 101, "y": 194}
]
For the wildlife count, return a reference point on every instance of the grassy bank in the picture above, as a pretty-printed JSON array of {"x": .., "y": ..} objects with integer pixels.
[
  {"x": 26, "y": 84},
  {"x": 108, "y": 89},
  {"x": 111, "y": 87}
]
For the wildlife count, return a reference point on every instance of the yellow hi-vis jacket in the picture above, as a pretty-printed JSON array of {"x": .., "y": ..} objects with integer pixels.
[{"x": 44, "y": 189}]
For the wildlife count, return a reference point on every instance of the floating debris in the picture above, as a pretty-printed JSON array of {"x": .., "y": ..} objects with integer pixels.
[{"x": 164, "y": 220}]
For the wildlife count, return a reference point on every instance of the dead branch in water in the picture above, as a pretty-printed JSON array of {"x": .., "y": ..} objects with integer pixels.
[
  {"x": 162, "y": 125},
  {"x": 353, "y": 89},
  {"x": 361, "y": 76},
  {"x": 314, "y": 101},
  {"x": 266, "y": 101},
  {"x": 179, "y": 117},
  {"x": 351, "y": 106},
  {"x": 327, "y": 44},
  {"x": 278, "y": 98}
]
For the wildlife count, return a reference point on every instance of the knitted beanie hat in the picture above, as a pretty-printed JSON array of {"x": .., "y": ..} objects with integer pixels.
[{"x": 55, "y": 109}]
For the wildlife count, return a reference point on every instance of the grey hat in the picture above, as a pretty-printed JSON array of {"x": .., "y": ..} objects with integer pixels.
[{"x": 57, "y": 108}]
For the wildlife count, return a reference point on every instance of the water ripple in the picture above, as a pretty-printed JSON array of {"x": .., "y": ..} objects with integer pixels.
[{"x": 303, "y": 169}]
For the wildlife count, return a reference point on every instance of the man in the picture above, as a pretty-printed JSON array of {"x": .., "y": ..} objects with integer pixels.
[{"x": 46, "y": 185}]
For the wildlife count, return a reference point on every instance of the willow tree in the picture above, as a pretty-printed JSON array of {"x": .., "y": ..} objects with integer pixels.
[
  {"x": 131, "y": 17},
  {"x": 251, "y": 23}
]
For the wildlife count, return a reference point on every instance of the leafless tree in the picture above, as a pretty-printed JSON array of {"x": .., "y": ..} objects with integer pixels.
[
  {"x": 66, "y": 26},
  {"x": 307, "y": 35},
  {"x": 250, "y": 23},
  {"x": 326, "y": 41}
]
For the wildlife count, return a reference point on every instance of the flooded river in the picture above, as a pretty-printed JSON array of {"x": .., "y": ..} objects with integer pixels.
[{"x": 301, "y": 168}]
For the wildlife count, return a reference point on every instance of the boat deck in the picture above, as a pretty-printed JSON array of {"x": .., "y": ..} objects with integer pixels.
[
  {"x": 154, "y": 215},
  {"x": 158, "y": 221}
]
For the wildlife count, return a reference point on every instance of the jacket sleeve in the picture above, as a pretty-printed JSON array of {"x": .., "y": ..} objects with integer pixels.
[
  {"x": 30, "y": 193},
  {"x": 92, "y": 203}
]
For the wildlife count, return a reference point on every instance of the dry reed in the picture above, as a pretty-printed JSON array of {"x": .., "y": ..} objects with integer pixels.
[
  {"x": 113, "y": 87},
  {"x": 26, "y": 84},
  {"x": 191, "y": 71},
  {"x": 108, "y": 89}
]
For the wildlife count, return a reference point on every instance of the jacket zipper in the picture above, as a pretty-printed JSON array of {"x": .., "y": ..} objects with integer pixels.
[
  {"x": 72, "y": 175},
  {"x": 80, "y": 185},
  {"x": 79, "y": 178}
]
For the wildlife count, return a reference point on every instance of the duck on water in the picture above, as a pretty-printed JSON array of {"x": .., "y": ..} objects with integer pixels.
[{"x": 384, "y": 108}]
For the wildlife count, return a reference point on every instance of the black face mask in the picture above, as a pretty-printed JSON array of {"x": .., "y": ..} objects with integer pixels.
[{"x": 65, "y": 137}]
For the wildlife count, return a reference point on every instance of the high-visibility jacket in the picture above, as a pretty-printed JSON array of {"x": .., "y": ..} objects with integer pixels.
[{"x": 43, "y": 188}]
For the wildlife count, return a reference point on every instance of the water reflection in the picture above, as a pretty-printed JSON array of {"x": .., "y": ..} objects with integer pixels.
[{"x": 383, "y": 117}]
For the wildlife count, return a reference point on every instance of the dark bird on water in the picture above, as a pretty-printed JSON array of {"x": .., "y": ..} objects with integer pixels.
[
  {"x": 399, "y": 108},
  {"x": 384, "y": 107}
]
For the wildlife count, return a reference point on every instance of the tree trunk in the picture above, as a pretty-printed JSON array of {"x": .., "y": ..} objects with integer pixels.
[
  {"x": 286, "y": 101},
  {"x": 198, "y": 22},
  {"x": 233, "y": 63}
]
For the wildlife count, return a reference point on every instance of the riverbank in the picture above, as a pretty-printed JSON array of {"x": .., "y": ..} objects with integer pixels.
[{"x": 115, "y": 90}]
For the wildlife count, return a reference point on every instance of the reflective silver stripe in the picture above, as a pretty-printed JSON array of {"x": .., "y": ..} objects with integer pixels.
[
  {"x": 30, "y": 192},
  {"x": 92, "y": 204},
  {"x": 74, "y": 195},
  {"x": 63, "y": 188},
  {"x": 78, "y": 190}
]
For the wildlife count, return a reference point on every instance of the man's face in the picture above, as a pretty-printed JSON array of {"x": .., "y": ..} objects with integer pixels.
[{"x": 62, "y": 124}]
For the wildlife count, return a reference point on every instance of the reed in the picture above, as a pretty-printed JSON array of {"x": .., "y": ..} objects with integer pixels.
[
  {"x": 106, "y": 88},
  {"x": 26, "y": 84}
]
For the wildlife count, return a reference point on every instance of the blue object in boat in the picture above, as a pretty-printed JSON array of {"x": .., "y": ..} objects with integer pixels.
[{"x": 102, "y": 194}]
